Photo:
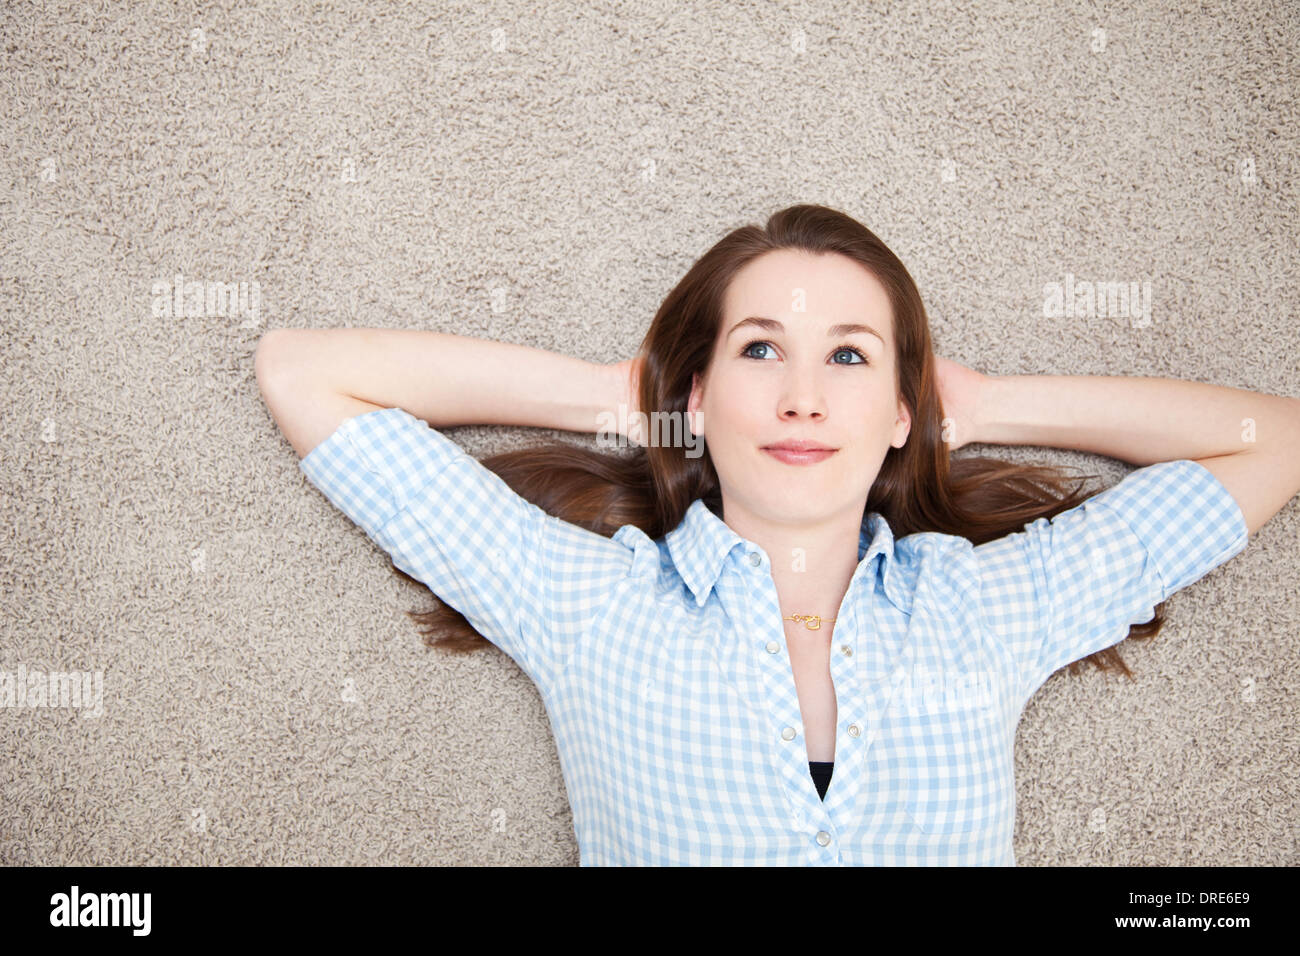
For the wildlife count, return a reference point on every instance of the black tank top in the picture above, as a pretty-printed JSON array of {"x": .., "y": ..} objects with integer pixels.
[{"x": 821, "y": 773}]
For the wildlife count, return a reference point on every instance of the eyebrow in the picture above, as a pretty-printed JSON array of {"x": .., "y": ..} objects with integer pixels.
[{"x": 835, "y": 331}]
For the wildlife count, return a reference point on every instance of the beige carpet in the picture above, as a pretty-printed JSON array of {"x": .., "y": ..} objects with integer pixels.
[{"x": 264, "y": 698}]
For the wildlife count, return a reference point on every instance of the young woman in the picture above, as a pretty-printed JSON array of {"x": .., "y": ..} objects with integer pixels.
[{"x": 811, "y": 643}]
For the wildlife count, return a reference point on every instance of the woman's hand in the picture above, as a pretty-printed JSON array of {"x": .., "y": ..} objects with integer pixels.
[
  {"x": 959, "y": 393},
  {"x": 626, "y": 385}
]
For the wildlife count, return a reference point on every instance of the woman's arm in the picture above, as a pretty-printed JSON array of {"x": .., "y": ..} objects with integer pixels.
[
  {"x": 1248, "y": 440},
  {"x": 441, "y": 378}
]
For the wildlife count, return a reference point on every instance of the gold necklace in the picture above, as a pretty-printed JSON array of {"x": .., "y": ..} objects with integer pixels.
[{"x": 811, "y": 621}]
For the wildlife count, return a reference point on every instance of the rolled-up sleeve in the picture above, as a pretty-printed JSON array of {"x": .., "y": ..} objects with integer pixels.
[
  {"x": 1067, "y": 587},
  {"x": 526, "y": 580}
]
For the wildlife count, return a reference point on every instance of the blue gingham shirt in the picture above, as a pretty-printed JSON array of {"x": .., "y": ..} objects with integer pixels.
[{"x": 665, "y": 673}]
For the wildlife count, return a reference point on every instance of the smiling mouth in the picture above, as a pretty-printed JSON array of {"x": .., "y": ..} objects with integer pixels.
[
  {"x": 797, "y": 446},
  {"x": 799, "y": 456}
]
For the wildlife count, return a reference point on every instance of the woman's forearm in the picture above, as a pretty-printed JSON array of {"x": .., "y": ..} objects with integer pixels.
[
  {"x": 1138, "y": 420},
  {"x": 447, "y": 379}
]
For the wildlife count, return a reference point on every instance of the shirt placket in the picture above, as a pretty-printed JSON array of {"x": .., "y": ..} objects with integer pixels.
[
  {"x": 785, "y": 731},
  {"x": 870, "y": 661}
]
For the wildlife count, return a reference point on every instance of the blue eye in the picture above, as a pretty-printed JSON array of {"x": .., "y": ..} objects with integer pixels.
[
  {"x": 744, "y": 352},
  {"x": 856, "y": 351}
]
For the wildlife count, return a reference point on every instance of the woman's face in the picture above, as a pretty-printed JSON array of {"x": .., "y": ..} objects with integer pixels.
[{"x": 799, "y": 382}]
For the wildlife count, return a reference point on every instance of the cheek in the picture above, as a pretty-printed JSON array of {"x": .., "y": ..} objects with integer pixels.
[{"x": 745, "y": 420}]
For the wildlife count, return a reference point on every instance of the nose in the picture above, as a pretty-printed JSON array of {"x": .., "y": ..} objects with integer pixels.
[{"x": 802, "y": 397}]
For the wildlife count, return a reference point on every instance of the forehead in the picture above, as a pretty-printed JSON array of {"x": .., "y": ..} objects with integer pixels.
[{"x": 797, "y": 287}]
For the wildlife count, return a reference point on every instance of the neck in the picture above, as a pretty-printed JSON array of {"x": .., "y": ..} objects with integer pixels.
[
  {"x": 824, "y": 601},
  {"x": 812, "y": 564}
]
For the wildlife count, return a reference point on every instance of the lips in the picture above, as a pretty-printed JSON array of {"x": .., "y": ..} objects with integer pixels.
[
  {"x": 800, "y": 446},
  {"x": 799, "y": 453}
]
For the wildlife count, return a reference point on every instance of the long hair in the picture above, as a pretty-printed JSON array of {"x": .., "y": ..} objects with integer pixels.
[{"x": 920, "y": 487}]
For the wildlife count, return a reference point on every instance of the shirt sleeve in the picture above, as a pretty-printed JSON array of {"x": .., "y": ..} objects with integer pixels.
[
  {"x": 1067, "y": 587},
  {"x": 526, "y": 580}
]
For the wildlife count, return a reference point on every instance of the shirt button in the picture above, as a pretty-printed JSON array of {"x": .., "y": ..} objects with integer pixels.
[
  {"x": 787, "y": 733},
  {"x": 823, "y": 837},
  {"x": 846, "y": 650},
  {"x": 772, "y": 647},
  {"x": 854, "y": 730},
  {"x": 755, "y": 559}
]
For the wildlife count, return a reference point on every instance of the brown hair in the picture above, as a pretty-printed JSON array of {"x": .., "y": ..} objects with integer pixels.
[{"x": 920, "y": 486}]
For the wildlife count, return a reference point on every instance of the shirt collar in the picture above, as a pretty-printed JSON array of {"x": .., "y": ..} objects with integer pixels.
[{"x": 699, "y": 546}]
